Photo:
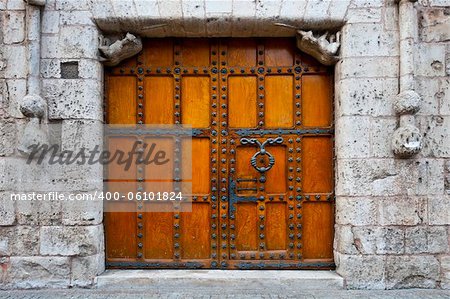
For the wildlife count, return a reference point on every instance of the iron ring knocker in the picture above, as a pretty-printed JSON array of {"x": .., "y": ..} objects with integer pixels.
[{"x": 262, "y": 152}]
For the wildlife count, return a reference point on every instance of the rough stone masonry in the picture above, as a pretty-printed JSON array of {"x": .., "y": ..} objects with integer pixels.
[{"x": 392, "y": 214}]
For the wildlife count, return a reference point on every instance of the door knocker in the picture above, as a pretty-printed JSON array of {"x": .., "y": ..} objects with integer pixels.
[{"x": 262, "y": 152}]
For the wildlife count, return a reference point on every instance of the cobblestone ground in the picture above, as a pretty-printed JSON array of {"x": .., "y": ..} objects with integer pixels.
[{"x": 216, "y": 293}]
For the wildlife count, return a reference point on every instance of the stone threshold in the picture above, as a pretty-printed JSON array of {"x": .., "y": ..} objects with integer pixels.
[{"x": 292, "y": 280}]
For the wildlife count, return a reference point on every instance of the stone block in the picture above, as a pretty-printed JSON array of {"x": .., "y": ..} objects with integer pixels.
[
  {"x": 49, "y": 46},
  {"x": 293, "y": 9},
  {"x": 50, "y": 68},
  {"x": 34, "y": 212},
  {"x": 16, "y": 61},
  {"x": 15, "y": 5},
  {"x": 13, "y": 27},
  {"x": 8, "y": 131},
  {"x": 353, "y": 140},
  {"x": 338, "y": 9},
  {"x": 352, "y": 177},
  {"x": 403, "y": 211},
  {"x": 436, "y": 132},
  {"x": 439, "y": 210},
  {"x": 344, "y": 242},
  {"x": 364, "y": 15},
  {"x": 368, "y": 40},
  {"x": 218, "y": 8},
  {"x": 356, "y": 211},
  {"x": 71, "y": 240},
  {"x": 381, "y": 130},
  {"x": 361, "y": 271},
  {"x": 366, "y": 3},
  {"x": 435, "y": 24},
  {"x": 50, "y": 21},
  {"x": 89, "y": 212},
  {"x": 73, "y": 98},
  {"x": 16, "y": 89},
  {"x": 426, "y": 239},
  {"x": 90, "y": 69},
  {"x": 430, "y": 60},
  {"x": 366, "y": 96},
  {"x": 35, "y": 272},
  {"x": 69, "y": 18},
  {"x": 20, "y": 240},
  {"x": 434, "y": 93},
  {"x": 411, "y": 272},
  {"x": 7, "y": 209},
  {"x": 357, "y": 67},
  {"x": 315, "y": 9},
  {"x": 379, "y": 240},
  {"x": 147, "y": 8},
  {"x": 78, "y": 42},
  {"x": 69, "y": 5},
  {"x": 86, "y": 269}
]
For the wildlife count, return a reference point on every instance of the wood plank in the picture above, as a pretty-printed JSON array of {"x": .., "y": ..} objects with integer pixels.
[
  {"x": 318, "y": 230},
  {"x": 279, "y": 52},
  {"x": 279, "y": 106},
  {"x": 119, "y": 179},
  {"x": 317, "y": 165},
  {"x": 120, "y": 235},
  {"x": 195, "y": 52},
  {"x": 159, "y": 176},
  {"x": 158, "y": 231},
  {"x": 159, "y": 106},
  {"x": 158, "y": 52},
  {"x": 316, "y": 101},
  {"x": 246, "y": 228},
  {"x": 196, "y": 164},
  {"x": 276, "y": 226},
  {"x": 276, "y": 176},
  {"x": 242, "y": 52},
  {"x": 195, "y": 232},
  {"x": 121, "y": 94},
  {"x": 195, "y": 101},
  {"x": 242, "y": 101}
]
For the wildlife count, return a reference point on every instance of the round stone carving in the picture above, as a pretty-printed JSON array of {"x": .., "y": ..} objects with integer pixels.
[
  {"x": 407, "y": 102},
  {"x": 32, "y": 105},
  {"x": 406, "y": 141}
]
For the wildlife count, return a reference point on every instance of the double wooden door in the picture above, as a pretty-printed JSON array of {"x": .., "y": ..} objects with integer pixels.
[{"x": 262, "y": 155}]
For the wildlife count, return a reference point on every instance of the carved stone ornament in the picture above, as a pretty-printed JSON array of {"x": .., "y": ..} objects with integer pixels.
[
  {"x": 36, "y": 2},
  {"x": 406, "y": 141},
  {"x": 323, "y": 47},
  {"x": 116, "y": 52},
  {"x": 407, "y": 102}
]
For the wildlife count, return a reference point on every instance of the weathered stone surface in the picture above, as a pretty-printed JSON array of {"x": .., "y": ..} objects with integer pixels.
[
  {"x": 426, "y": 239},
  {"x": 435, "y": 24},
  {"x": 362, "y": 271},
  {"x": 13, "y": 27},
  {"x": 360, "y": 67},
  {"x": 73, "y": 98},
  {"x": 82, "y": 212},
  {"x": 354, "y": 142},
  {"x": 50, "y": 21},
  {"x": 33, "y": 212},
  {"x": 364, "y": 15},
  {"x": 8, "y": 132},
  {"x": 16, "y": 61},
  {"x": 19, "y": 240},
  {"x": 7, "y": 209},
  {"x": 35, "y": 272},
  {"x": 16, "y": 89},
  {"x": 71, "y": 240},
  {"x": 379, "y": 240},
  {"x": 439, "y": 210},
  {"x": 430, "y": 60},
  {"x": 406, "y": 141},
  {"x": 85, "y": 270},
  {"x": 381, "y": 129},
  {"x": 407, "y": 102},
  {"x": 436, "y": 141},
  {"x": 356, "y": 211},
  {"x": 77, "y": 42},
  {"x": 411, "y": 272},
  {"x": 403, "y": 211}
]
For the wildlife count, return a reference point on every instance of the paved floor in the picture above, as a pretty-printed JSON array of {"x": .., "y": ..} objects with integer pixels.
[{"x": 214, "y": 293}]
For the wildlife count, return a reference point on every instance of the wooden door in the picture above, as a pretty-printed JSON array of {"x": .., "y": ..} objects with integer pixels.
[{"x": 262, "y": 173}]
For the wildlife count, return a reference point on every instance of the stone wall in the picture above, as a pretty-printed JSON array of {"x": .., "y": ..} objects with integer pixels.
[{"x": 392, "y": 215}]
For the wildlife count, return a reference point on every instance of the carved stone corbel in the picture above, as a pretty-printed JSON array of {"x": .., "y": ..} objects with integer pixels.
[
  {"x": 323, "y": 47},
  {"x": 112, "y": 54}
]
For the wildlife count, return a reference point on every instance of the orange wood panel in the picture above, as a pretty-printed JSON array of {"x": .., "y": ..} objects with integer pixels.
[
  {"x": 121, "y": 236},
  {"x": 195, "y": 164},
  {"x": 317, "y": 164},
  {"x": 195, "y": 232},
  {"x": 195, "y": 101},
  {"x": 158, "y": 52},
  {"x": 195, "y": 52},
  {"x": 242, "y": 52},
  {"x": 317, "y": 101},
  {"x": 159, "y": 176},
  {"x": 119, "y": 178},
  {"x": 246, "y": 229},
  {"x": 279, "y": 52},
  {"x": 158, "y": 100},
  {"x": 279, "y": 107},
  {"x": 276, "y": 225},
  {"x": 318, "y": 230},
  {"x": 276, "y": 176},
  {"x": 158, "y": 231},
  {"x": 242, "y": 101},
  {"x": 121, "y": 100}
]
